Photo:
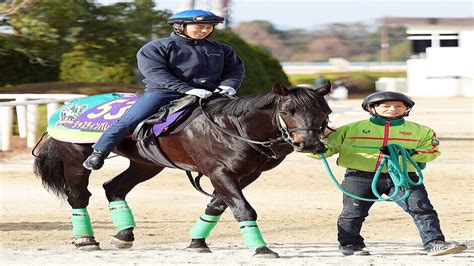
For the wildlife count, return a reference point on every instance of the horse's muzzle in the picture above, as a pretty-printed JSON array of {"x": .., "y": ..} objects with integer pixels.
[
  {"x": 307, "y": 141},
  {"x": 308, "y": 147}
]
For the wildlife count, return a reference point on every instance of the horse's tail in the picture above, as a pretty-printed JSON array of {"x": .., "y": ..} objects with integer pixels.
[{"x": 49, "y": 167}]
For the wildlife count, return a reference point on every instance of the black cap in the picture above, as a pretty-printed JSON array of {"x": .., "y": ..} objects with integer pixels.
[{"x": 383, "y": 96}]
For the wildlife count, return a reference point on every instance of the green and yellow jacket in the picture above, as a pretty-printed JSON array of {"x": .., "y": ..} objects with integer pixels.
[{"x": 358, "y": 143}]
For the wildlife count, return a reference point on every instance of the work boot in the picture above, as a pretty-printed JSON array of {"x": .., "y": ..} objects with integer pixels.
[
  {"x": 354, "y": 249},
  {"x": 439, "y": 248},
  {"x": 96, "y": 160}
]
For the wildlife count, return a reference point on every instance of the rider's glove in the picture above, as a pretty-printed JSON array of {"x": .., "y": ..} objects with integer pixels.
[
  {"x": 199, "y": 93},
  {"x": 227, "y": 90}
]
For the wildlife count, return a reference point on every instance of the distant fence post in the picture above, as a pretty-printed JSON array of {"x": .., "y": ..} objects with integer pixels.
[
  {"x": 51, "y": 109},
  {"x": 6, "y": 113},
  {"x": 31, "y": 125},
  {"x": 21, "y": 116}
]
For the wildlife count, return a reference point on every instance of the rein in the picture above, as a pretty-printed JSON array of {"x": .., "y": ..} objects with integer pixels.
[
  {"x": 285, "y": 135},
  {"x": 267, "y": 143},
  {"x": 399, "y": 176}
]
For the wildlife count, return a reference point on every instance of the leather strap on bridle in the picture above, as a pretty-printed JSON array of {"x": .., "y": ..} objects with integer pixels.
[
  {"x": 274, "y": 155},
  {"x": 248, "y": 140},
  {"x": 282, "y": 127}
]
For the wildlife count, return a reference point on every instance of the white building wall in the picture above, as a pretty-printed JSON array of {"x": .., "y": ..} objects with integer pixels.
[{"x": 445, "y": 71}]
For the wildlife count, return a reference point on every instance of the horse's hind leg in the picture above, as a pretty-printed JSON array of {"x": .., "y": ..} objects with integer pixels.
[
  {"x": 116, "y": 189},
  {"x": 77, "y": 179}
]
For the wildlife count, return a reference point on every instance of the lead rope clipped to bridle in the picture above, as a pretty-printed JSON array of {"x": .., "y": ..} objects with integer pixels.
[{"x": 400, "y": 178}]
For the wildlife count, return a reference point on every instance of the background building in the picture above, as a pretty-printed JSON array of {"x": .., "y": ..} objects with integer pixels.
[{"x": 442, "y": 62}]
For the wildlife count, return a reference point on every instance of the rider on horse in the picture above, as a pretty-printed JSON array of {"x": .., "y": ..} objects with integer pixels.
[{"x": 172, "y": 67}]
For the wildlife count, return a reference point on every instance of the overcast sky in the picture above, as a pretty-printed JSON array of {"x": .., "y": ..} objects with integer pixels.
[{"x": 306, "y": 14}]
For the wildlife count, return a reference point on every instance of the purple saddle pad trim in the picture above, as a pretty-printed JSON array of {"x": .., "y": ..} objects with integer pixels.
[{"x": 158, "y": 128}]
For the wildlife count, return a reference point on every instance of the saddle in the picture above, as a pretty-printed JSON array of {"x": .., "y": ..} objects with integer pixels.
[{"x": 168, "y": 120}]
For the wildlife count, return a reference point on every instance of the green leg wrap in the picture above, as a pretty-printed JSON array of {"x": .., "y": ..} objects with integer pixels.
[
  {"x": 203, "y": 227},
  {"x": 81, "y": 223},
  {"x": 122, "y": 216},
  {"x": 252, "y": 236}
]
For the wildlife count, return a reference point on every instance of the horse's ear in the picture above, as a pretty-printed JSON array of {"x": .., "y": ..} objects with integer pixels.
[
  {"x": 279, "y": 88},
  {"x": 324, "y": 89}
]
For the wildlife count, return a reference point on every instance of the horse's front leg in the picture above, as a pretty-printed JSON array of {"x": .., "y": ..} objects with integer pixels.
[
  {"x": 228, "y": 189},
  {"x": 116, "y": 189},
  {"x": 206, "y": 222}
]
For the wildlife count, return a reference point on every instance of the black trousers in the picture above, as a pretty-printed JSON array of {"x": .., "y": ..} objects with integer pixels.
[{"x": 355, "y": 211}]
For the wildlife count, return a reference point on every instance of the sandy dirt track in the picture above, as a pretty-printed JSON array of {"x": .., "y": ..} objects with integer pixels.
[{"x": 296, "y": 202}]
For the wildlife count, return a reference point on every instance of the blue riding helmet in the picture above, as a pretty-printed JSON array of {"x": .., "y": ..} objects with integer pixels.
[{"x": 195, "y": 16}]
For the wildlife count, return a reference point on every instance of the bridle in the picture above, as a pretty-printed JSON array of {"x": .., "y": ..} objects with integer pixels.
[{"x": 285, "y": 132}]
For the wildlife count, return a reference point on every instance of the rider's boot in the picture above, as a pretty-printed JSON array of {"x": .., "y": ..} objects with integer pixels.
[{"x": 96, "y": 160}]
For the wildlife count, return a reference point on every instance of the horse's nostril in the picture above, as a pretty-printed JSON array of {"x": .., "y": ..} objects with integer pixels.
[{"x": 298, "y": 145}]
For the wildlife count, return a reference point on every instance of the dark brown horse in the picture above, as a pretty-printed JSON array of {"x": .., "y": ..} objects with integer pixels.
[{"x": 232, "y": 143}]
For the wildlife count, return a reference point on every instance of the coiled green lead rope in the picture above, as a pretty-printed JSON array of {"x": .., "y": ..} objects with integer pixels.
[{"x": 401, "y": 179}]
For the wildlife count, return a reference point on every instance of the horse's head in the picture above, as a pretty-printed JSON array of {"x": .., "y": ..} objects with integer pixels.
[{"x": 303, "y": 115}]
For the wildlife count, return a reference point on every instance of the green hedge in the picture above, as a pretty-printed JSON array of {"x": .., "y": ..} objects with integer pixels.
[{"x": 75, "y": 67}]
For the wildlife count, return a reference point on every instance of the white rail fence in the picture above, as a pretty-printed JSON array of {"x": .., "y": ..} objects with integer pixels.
[{"x": 26, "y": 107}]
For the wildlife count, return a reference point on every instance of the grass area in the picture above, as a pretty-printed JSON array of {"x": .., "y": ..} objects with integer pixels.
[{"x": 359, "y": 82}]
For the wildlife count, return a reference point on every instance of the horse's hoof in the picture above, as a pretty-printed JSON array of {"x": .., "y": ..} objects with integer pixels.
[
  {"x": 89, "y": 248},
  {"x": 266, "y": 253},
  {"x": 198, "y": 250},
  {"x": 86, "y": 244},
  {"x": 120, "y": 244},
  {"x": 198, "y": 245}
]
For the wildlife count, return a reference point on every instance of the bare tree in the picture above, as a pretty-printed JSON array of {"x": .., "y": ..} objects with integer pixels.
[{"x": 10, "y": 7}]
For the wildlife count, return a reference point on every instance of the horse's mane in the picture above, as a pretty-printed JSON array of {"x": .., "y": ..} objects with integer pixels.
[
  {"x": 302, "y": 97},
  {"x": 240, "y": 106}
]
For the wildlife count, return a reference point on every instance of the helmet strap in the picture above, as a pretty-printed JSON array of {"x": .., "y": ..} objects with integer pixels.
[
  {"x": 180, "y": 31},
  {"x": 373, "y": 112}
]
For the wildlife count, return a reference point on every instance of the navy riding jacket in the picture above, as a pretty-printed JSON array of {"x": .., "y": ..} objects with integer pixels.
[{"x": 180, "y": 64}]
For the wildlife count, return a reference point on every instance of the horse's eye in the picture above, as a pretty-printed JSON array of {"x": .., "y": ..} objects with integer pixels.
[{"x": 284, "y": 113}]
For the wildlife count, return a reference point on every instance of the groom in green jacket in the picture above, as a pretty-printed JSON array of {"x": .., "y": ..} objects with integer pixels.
[{"x": 361, "y": 147}]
